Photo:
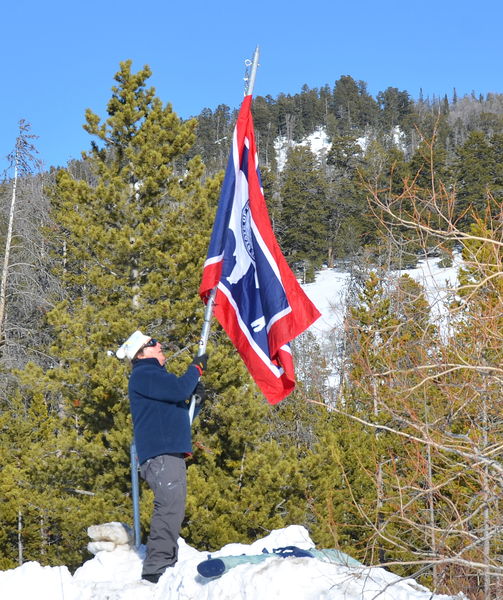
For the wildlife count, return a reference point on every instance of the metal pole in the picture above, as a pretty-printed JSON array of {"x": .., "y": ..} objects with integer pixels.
[
  {"x": 135, "y": 483},
  {"x": 253, "y": 72},
  {"x": 205, "y": 334}
]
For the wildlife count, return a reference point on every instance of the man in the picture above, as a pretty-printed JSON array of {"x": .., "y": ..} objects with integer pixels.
[{"x": 160, "y": 409}]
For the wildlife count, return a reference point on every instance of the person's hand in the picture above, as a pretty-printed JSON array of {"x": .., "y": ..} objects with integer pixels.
[
  {"x": 200, "y": 362},
  {"x": 199, "y": 394}
]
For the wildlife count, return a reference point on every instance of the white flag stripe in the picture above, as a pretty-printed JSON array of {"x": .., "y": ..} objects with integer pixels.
[
  {"x": 213, "y": 260},
  {"x": 277, "y": 317},
  {"x": 276, "y": 371}
]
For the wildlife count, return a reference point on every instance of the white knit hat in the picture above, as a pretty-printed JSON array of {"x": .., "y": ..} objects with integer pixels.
[{"x": 131, "y": 346}]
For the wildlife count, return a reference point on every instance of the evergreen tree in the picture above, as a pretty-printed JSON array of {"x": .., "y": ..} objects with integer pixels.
[
  {"x": 349, "y": 222},
  {"x": 478, "y": 174},
  {"x": 395, "y": 106},
  {"x": 131, "y": 252},
  {"x": 242, "y": 482},
  {"x": 311, "y": 115},
  {"x": 390, "y": 334},
  {"x": 352, "y": 105},
  {"x": 288, "y": 118},
  {"x": 266, "y": 129},
  {"x": 430, "y": 183},
  {"x": 303, "y": 234},
  {"x": 214, "y": 135}
]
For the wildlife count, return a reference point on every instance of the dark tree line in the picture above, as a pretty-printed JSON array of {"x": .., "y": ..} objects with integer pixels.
[
  {"x": 391, "y": 140},
  {"x": 348, "y": 108}
]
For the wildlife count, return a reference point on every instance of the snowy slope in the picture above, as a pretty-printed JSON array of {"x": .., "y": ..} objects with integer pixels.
[
  {"x": 317, "y": 142},
  {"x": 115, "y": 575},
  {"x": 329, "y": 289}
]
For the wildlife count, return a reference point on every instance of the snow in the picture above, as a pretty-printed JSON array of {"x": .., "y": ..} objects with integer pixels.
[
  {"x": 328, "y": 292},
  {"x": 317, "y": 142},
  {"x": 438, "y": 282},
  {"x": 114, "y": 574}
]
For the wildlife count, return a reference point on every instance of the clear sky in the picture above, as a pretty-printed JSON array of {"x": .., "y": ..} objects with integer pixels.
[{"x": 59, "y": 58}]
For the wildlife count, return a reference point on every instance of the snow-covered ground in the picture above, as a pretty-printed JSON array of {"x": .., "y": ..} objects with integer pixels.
[
  {"x": 114, "y": 574},
  {"x": 327, "y": 293},
  {"x": 329, "y": 289}
]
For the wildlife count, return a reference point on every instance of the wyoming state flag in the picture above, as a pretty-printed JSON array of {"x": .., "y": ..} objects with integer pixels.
[{"x": 258, "y": 301}]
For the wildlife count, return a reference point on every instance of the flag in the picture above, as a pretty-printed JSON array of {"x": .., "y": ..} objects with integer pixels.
[{"x": 258, "y": 301}]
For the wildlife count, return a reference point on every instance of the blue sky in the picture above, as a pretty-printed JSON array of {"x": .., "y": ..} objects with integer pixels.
[{"x": 59, "y": 58}]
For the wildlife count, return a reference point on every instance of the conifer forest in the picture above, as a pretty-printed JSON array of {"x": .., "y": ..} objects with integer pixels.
[{"x": 389, "y": 449}]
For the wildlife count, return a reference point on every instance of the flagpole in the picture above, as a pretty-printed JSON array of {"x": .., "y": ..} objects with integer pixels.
[
  {"x": 205, "y": 333},
  {"x": 250, "y": 81}
]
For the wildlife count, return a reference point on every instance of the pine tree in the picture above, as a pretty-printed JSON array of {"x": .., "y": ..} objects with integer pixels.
[
  {"x": 214, "y": 134},
  {"x": 266, "y": 129},
  {"x": 395, "y": 107},
  {"x": 389, "y": 336},
  {"x": 352, "y": 105},
  {"x": 478, "y": 173},
  {"x": 245, "y": 477},
  {"x": 131, "y": 250},
  {"x": 350, "y": 225},
  {"x": 303, "y": 232},
  {"x": 288, "y": 118}
]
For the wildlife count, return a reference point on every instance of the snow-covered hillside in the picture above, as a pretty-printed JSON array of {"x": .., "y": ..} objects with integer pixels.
[
  {"x": 330, "y": 286},
  {"x": 317, "y": 142}
]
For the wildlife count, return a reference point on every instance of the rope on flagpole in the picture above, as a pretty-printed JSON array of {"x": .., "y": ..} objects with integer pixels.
[{"x": 205, "y": 333}]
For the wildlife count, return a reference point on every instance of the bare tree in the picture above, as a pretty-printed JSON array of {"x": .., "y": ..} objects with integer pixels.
[
  {"x": 26, "y": 283},
  {"x": 429, "y": 386},
  {"x": 21, "y": 159},
  {"x": 446, "y": 404}
]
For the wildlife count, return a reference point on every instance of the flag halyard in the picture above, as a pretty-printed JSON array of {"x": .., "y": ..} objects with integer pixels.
[{"x": 258, "y": 301}]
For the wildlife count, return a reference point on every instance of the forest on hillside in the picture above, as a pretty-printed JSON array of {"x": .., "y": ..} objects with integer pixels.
[
  {"x": 399, "y": 464},
  {"x": 319, "y": 203}
]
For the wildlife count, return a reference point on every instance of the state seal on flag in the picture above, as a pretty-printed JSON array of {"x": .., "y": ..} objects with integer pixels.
[{"x": 246, "y": 231}]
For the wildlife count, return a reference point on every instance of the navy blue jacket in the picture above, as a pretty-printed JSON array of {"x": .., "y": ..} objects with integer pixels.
[{"x": 160, "y": 412}]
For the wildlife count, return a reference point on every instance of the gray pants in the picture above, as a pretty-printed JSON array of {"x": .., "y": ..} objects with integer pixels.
[{"x": 166, "y": 476}]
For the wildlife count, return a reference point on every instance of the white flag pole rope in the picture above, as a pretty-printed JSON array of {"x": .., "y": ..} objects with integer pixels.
[{"x": 251, "y": 72}]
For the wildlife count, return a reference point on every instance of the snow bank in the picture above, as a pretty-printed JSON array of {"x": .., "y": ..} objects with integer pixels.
[
  {"x": 115, "y": 575},
  {"x": 34, "y": 581}
]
